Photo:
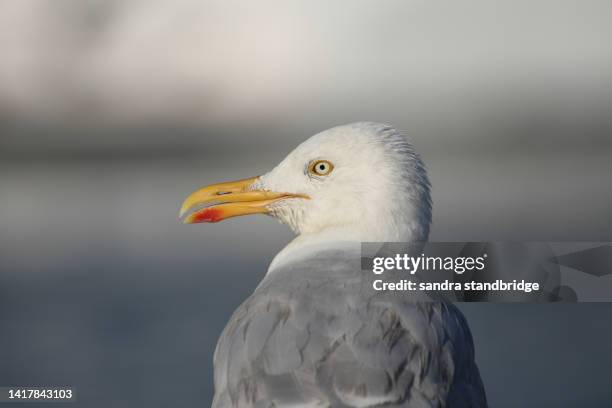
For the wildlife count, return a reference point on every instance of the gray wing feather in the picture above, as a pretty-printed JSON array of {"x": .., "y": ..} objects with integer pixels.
[{"x": 315, "y": 334}]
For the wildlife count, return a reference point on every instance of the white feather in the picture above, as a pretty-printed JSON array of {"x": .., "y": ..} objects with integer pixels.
[{"x": 378, "y": 190}]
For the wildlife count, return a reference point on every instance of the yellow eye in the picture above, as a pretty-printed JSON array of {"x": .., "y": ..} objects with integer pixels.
[{"x": 321, "y": 167}]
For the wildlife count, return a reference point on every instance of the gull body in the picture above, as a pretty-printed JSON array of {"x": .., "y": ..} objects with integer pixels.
[{"x": 314, "y": 333}]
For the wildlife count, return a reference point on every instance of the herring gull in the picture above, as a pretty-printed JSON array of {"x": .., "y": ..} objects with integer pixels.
[{"x": 314, "y": 333}]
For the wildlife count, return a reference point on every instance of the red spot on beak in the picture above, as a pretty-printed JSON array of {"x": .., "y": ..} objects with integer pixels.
[{"x": 208, "y": 215}]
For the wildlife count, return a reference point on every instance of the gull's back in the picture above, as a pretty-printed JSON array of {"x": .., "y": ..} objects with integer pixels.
[{"x": 315, "y": 334}]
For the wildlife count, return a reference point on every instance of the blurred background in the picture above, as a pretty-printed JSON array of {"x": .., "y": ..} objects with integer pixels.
[{"x": 111, "y": 112}]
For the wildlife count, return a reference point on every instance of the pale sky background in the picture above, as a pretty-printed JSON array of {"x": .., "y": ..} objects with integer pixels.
[{"x": 273, "y": 69}]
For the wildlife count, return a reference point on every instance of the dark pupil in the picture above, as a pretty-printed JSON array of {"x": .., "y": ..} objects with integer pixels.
[{"x": 321, "y": 167}]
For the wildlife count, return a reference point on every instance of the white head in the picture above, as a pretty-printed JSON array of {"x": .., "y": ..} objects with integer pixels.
[
  {"x": 357, "y": 182},
  {"x": 363, "y": 179}
]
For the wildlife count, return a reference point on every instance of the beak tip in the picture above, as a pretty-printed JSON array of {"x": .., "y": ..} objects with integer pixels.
[
  {"x": 183, "y": 210},
  {"x": 190, "y": 219}
]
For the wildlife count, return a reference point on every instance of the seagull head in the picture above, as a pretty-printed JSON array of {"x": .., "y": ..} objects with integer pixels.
[{"x": 357, "y": 182}]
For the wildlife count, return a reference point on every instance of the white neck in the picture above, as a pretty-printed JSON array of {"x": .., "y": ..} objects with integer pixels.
[
  {"x": 305, "y": 245},
  {"x": 345, "y": 237}
]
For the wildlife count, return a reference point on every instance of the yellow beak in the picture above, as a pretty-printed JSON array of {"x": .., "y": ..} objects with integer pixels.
[{"x": 229, "y": 199}]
